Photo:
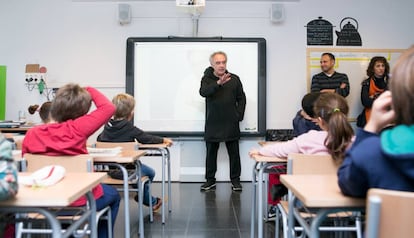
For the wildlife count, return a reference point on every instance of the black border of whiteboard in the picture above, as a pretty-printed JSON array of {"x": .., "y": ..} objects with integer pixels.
[{"x": 261, "y": 84}]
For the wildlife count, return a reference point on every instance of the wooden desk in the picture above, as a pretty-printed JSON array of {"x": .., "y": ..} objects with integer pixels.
[
  {"x": 321, "y": 192},
  {"x": 262, "y": 163},
  {"x": 21, "y": 129},
  {"x": 126, "y": 156},
  {"x": 161, "y": 150},
  {"x": 62, "y": 194}
]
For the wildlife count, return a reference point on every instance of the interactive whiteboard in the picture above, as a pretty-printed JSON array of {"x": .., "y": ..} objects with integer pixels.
[
  {"x": 164, "y": 76},
  {"x": 354, "y": 63}
]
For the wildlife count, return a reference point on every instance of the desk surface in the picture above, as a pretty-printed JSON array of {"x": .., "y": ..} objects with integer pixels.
[
  {"x": 64, "y": 193},
  {"x": 317, "y": 191},
  {"x": 148, "y": 146},
  {"x": 126, "y": 156},
  {"x": 21, "y": 129}
]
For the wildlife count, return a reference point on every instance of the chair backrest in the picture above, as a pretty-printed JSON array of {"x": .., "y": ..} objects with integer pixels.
[
  {"x": 123, "y": 145},
  {"x": 311, "y": 164},
  {"x": 72, "y": 163},
  {"x": 389, "y": 213}
]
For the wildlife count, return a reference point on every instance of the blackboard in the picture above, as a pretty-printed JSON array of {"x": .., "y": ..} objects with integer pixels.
[
  {"x": 353, "y": 62},
  {"x": 164, "y": 75}
]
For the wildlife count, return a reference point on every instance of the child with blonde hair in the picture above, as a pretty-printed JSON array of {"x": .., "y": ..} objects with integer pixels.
[{"x": 121, "y": 129}]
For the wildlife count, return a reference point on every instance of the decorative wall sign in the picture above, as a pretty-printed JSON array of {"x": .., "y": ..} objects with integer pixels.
[
  {"x": 348, "y": 36},
  {"x": 319, "y": 32}
]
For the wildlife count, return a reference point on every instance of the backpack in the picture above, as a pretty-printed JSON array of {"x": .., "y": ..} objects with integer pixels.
[{"x": 8, "y": 171}]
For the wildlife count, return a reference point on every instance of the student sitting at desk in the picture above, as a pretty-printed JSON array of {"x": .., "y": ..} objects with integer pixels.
[
  {"x": 305, "y": 120},
  {"x": 121, "y": 129},
  {"x": 330, "y": 110},
  {"x": 67, "y": 133},
  {"x": 44, "y": 110},
  {"x": 385, "y": 158},
  {"x": 336, "y": 136}
]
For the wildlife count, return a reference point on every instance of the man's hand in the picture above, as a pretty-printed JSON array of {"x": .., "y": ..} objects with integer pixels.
[
  {"x": 382, "y": 113},
  {"x": 224, "y": 79}
]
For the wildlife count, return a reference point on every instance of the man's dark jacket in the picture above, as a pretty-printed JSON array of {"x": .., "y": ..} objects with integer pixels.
[{"x": 225, "y": 105}]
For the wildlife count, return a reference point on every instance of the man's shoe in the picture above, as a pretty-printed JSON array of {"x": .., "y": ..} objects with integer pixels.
[
  {"x": 236, "y": 186},
  {"x": 208, "y": 185}
]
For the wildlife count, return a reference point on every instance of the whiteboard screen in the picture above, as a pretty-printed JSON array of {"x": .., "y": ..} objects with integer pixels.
[{"x": 164, "y": 75}]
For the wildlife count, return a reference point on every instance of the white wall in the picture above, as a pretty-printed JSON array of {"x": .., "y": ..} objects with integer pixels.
[{"x": 81, "y": 41}]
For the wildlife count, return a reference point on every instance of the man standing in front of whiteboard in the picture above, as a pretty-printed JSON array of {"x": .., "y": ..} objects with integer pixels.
[
  {"x": 225, "y": 105},
  {"x": 329, "y": 80}
]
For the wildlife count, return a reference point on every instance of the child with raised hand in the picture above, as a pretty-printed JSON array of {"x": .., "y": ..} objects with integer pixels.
[
  {"x": 67, "y": 133},
  {"x": 121, "y": 129}
]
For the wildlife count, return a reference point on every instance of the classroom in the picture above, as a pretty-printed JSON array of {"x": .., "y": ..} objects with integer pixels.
[{"x": 83, "y": 41}]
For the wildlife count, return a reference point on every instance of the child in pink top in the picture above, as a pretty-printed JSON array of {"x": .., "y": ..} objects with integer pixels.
[{"x": 337, "y": 135}]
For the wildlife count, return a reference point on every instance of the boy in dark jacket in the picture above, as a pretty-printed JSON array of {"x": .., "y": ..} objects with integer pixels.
[{"x": 121, "y": 129}]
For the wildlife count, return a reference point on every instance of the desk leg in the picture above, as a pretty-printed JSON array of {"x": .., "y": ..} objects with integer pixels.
[
  {"x": 88, "y": 216},
  {"x": 140, "y": 199},
  {"x": 92, "y": 219},
  {"x": 253, "y": 208},
  {"x": 320, "y": 216},
  {"x": 125, "y": 185},
  {"x": 260, "y": 200},
  {"x": 169, "y": 179},
  {"x": 126, "y": 200},
  {"x": 290, "y": 230},
  {"x": 163, "y": 185},
  {"x": 54, "y": 223}
]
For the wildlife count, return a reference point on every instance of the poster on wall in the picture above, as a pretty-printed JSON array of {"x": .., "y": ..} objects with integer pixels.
[
  {"x": 319, "y": 32},
  {"x": 349, "y": 35}
]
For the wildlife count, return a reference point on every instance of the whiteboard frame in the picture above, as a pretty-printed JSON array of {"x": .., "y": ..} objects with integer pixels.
[{"x": 261, "y": 84}]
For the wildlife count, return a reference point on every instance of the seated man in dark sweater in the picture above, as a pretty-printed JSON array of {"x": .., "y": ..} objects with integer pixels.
[
  {"x": 121, "y": 129},
  {"x": 329, "y": 80}
]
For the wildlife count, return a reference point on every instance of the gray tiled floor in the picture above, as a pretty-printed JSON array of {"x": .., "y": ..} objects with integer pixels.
[{"x": 219, "y": 213}]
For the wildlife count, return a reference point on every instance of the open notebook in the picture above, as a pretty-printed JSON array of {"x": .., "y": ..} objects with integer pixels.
[{"x": 104, "y": 151}]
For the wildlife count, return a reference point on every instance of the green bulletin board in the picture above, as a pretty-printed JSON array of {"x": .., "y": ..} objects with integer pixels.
[{"x": 2, "y": 92}]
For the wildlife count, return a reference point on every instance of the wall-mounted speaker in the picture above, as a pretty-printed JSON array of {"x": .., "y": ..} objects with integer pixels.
[
  {"x": 277, "y": 13},
  {"x": 124, "y": 14}
]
